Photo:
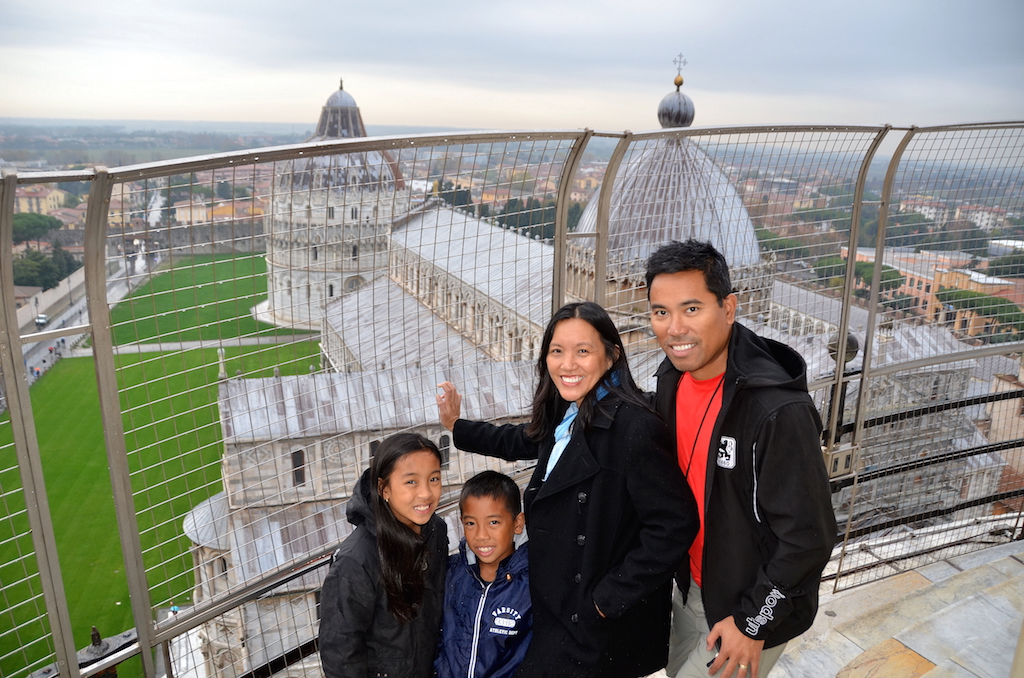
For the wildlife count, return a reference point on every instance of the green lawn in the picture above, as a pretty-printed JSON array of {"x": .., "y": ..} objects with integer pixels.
[
  {"x": 202, "y": 297},
  {"x": 169, "y": 410}
]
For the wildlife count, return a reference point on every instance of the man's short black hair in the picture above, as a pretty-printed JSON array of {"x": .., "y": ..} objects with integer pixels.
[
  {"x": 692, "y": 255},
  {"x": 495, "y": 485}
]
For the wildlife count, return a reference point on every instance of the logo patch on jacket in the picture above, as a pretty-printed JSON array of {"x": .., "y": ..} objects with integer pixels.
[
  {"x": 505, "y": 622},
  {"x": 727, "y": 452}
]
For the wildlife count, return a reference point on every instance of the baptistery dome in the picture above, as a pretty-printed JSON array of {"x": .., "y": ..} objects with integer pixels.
[{"x": 328, "y": 230}]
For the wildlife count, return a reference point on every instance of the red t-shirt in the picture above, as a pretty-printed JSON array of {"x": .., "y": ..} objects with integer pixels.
[{"x": 698, "y": 403}]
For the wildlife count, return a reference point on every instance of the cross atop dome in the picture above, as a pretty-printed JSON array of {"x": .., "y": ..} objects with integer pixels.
[
  {"x": 676, "y": 109},
  {"x": 679, "y": 61}
]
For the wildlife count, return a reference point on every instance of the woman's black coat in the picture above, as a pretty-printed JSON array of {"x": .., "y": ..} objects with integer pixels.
[{"x": 609, "y": 527}]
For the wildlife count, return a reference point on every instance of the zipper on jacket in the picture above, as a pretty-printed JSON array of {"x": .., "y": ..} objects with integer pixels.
[
  {"x": 476, "y": 627},
  {"x": 753, "y": 472}
]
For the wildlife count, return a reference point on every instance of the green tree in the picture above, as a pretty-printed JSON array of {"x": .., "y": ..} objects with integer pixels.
[
  {"x": 1010, "y": 266},
  {"x": 785, "y": 248},
  {"x": 575, "y": 212},
  {"x": 830, "y": 267},
  {"x": 34, "y": 269},
  {"x": 63, "y": 261},
  {"x": 456, "y": 196},
  {"x": 29, "y": 226},
  {"x": 890, "y": 279},
  {"x": 999, "y": 309}
]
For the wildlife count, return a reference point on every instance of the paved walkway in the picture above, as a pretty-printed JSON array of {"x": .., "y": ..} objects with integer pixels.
[
  {"x": 956, "y": 618},
  {"x": 189, "y": 345}
]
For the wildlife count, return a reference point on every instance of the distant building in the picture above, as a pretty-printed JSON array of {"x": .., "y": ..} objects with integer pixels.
[
  {"x": 328, "y": 225},
  {"x": 38, "y": 199},
  {"x": 985, "y": 218},
  {"x": 933, "y": 210}
]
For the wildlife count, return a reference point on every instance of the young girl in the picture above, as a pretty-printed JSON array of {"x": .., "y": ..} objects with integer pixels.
[{"x": 381, "y": 601}]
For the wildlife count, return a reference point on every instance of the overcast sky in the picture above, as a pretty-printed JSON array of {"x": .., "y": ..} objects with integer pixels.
[{"x": 603, "y": 64}]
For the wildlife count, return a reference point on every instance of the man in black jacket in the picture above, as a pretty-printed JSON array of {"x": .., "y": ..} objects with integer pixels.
[{"x": 747, "y": 439}]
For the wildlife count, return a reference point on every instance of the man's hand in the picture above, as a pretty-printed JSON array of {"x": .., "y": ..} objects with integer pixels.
[
  {"x": 739, "y": 653},
  {"x": 449, "y": 404}
]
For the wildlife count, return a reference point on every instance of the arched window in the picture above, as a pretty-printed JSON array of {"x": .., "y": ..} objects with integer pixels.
[
  {"x": 299, "y": 467},
  {"x": 330, "y": 290},
  {"x": 445, "y": 445}
]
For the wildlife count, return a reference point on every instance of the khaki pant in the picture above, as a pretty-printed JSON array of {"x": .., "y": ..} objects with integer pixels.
[{"x": 687, "y": 656}]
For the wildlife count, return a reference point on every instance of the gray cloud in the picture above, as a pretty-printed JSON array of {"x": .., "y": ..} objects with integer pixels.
[{"x": 873, "y": 50}]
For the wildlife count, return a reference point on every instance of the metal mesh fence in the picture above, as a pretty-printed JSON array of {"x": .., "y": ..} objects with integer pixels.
[
  {"x": 273, "y": 315},
  {"x": 280, "y": 319},
  {"x": 935, "y": 483},
  {"x": 26, "y": 643}
]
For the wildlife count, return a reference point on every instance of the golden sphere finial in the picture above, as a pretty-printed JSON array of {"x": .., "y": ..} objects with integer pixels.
[{"x": 678, "y": 81}]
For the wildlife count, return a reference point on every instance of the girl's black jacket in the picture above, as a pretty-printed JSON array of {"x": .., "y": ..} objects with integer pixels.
[
  {"x": 769, "y": 527},
  {"x": 359, "y": 636}
]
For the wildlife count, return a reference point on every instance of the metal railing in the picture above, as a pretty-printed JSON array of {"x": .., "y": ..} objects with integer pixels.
[{"x": 256, "y": 321}]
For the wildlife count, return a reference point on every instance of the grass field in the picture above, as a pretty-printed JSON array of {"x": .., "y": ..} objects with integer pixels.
[
  {"x": 203, "y": 297},
  {"x": 173, "y": 437}
]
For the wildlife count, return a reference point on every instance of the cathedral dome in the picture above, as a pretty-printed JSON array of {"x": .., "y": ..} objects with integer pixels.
[
  {"x": 671, "y": 189},
  {"x": 676, "y": 109}
]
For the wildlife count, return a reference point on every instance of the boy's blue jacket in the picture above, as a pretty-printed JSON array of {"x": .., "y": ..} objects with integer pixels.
[{"x": 488, "y": 625}]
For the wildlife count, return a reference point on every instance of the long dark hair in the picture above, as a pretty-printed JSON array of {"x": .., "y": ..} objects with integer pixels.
[
  {"x": 403, "y": 553},
  {"x": 548, "y": 406}
]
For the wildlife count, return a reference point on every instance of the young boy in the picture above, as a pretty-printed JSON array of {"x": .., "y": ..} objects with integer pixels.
[{"x": 487, "y": 621}]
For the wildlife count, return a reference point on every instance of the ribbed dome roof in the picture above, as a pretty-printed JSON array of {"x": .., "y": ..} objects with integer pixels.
[
  {"x": 340, "y": 118},
  {"x": 341, "y": 99},
  {"x": 676, "y": 110},
  {"x": 672, "y": 190}
]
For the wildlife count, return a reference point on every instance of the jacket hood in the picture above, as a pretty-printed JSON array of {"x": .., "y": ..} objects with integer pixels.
[
  {"x": 359, "y": 509},
  {"x": 756, "y": 362},
  {"x": 764, "y": 362}
]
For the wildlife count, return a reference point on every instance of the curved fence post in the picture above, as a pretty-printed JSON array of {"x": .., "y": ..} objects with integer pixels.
[
  {"x": 572, "y": 163},
  {"x": 110, "y": 407},
  {"x": 27, "y": 445}
]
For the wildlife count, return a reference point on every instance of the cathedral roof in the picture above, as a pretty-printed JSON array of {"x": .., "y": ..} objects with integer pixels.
[
  {"x": 472, "y": 249},
  {"x": 382, "y": 324},
  {"x": 330, "y": 403},
  {"x": 671, "y": 189}
]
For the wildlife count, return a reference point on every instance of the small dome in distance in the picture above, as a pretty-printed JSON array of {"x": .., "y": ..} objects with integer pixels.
[
  {"x": 341, "y": 99},
  {"x": 676, "y": 109}
]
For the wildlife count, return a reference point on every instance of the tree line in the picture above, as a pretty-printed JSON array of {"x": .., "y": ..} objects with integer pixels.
[{"x": 33, "y": 268}]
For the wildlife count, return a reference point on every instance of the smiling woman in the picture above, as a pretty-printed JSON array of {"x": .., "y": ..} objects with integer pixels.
[{"x": 607, "y": 508}]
